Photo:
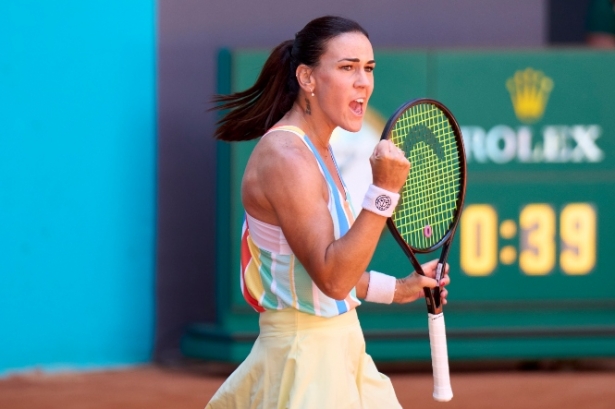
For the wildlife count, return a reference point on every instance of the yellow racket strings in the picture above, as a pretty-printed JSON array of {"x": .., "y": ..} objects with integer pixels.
[{"x": 428, "y": 199}]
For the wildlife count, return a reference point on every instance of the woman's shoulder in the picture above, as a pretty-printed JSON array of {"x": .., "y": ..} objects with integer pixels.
[
  {"x": 287, "y": 128},
  {"x": 284, "y": 144},
  {"x": 279, "y": 164},
  {"x": 282, "y": 154}
]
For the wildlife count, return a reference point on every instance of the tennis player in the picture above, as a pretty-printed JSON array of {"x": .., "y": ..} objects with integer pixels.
[{"x": 303, "y": 251}]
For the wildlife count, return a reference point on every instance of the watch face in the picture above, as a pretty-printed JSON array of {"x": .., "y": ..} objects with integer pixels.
[{"x": 352, "y": 151}]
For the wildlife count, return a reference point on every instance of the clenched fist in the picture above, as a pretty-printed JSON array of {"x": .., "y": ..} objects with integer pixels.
[{"x": 389, "y": 166}]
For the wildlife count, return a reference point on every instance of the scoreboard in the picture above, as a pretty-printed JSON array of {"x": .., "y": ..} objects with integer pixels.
[
  {"x": 535, "y": 231},
  {"x": 531, "y": 265}
]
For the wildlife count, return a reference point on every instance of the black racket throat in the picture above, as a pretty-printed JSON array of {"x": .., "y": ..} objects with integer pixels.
[{"x": 432, "y": 295}]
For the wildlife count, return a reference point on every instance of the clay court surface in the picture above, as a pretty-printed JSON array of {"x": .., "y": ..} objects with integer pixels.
[{"x": 557, "y": 386}]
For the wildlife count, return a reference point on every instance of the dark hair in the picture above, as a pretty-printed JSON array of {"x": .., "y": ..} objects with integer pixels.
[{"x": 255, "y": 110}]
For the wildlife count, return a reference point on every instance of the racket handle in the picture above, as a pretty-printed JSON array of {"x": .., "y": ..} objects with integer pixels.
[{"x": 442, "y": 391}]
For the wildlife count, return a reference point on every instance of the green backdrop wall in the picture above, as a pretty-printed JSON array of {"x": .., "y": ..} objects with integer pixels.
[{"x": 530, "y": 269}]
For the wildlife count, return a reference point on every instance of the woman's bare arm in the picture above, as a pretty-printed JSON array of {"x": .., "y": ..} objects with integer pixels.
[
  {"x": 410, "y": 288},
  {"x": 295, "y": 191}
]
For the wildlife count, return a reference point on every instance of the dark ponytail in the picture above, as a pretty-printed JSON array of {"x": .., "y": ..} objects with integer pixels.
[{"x": 253, "y": 111}]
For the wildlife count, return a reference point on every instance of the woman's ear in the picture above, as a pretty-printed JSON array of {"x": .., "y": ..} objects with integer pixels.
[{"x": 304, "y": 78}]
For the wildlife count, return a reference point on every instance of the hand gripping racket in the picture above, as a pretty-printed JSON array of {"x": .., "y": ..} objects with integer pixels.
[{"x": 429, "y": 205}]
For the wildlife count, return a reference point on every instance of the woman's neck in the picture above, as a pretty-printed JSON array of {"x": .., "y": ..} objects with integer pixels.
[{"x": 317, "y": 128}]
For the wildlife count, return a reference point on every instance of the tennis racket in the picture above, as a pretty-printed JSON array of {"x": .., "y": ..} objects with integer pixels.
[{"x": 429, "y": 206}]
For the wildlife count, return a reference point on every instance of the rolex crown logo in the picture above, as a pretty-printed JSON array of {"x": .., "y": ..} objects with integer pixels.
[{"x": 529, "y": 91}]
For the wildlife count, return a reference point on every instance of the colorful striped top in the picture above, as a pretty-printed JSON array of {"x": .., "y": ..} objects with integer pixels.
[{"x": 274, "y": 279}]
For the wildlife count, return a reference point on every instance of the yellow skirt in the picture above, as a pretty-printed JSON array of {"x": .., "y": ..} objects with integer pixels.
[{"x": 300, "y": 361}]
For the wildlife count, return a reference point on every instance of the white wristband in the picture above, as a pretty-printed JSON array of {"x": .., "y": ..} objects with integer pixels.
[
  {"x": 381, "y": 288},
  {"x": 380, "y": 201}
]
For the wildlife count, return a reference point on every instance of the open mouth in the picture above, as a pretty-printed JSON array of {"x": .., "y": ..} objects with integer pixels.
[{"x": 357, "y": 106}]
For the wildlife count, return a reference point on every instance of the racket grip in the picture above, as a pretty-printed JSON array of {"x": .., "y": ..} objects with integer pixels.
[{"x": 442, "y": 391}]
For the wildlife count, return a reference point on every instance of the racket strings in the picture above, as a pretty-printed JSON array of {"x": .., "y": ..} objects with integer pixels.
[{"x": 429, "y": 197}]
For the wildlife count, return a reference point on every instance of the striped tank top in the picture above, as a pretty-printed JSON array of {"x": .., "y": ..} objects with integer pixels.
[{"x": 273, "y": 278}]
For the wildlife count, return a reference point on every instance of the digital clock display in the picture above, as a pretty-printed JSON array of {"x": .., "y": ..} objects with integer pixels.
[{"x": 531, "y": 240}]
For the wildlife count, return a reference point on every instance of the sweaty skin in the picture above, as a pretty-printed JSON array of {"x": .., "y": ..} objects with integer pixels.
[{"x": 283, "y": 186}]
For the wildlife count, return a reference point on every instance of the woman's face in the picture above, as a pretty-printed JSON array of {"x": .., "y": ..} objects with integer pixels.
[{"x": 344, "y": 80}]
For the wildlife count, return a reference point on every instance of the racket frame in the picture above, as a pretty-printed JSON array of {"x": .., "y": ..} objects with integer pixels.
[{"x": 432, "y": 296}]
